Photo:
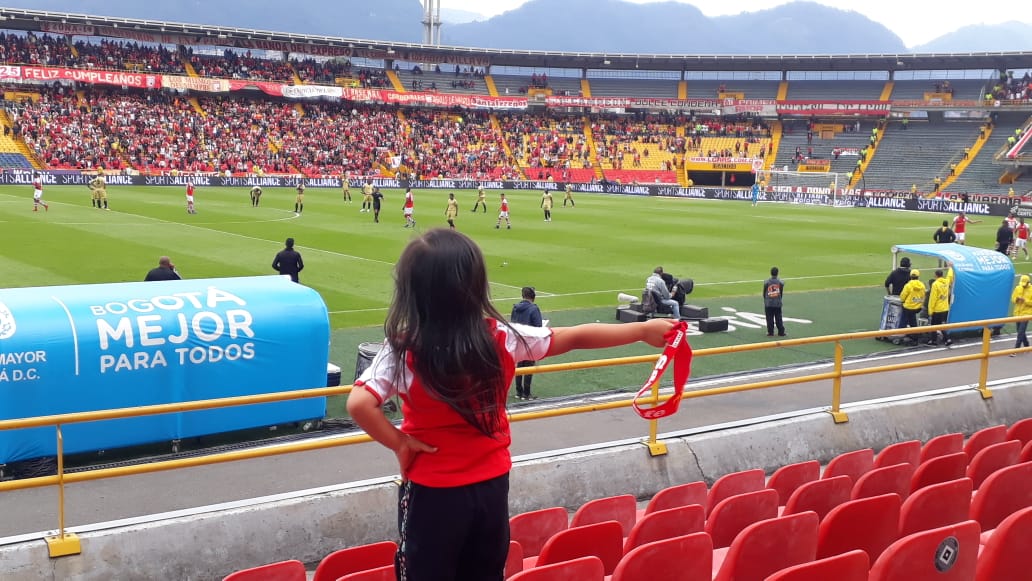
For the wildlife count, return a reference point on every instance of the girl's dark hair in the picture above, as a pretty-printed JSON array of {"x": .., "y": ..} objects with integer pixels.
[{"x": 441, "y": 298}]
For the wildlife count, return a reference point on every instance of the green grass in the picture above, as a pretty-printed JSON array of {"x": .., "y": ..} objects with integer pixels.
[{"x": 834, "y": 260}]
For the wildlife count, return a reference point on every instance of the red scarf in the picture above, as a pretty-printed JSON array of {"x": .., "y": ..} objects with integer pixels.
[{"x": 680, "y": 352}]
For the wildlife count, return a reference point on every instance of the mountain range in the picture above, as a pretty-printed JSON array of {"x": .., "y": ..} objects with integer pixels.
[{"x": 613, "y": 26}]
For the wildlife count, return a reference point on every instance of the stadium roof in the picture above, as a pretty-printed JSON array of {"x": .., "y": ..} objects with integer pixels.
[{"x": 20, "y": 19}]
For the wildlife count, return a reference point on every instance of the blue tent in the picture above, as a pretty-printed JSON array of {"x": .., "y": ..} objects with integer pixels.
[{"x": 983, "y": 279}]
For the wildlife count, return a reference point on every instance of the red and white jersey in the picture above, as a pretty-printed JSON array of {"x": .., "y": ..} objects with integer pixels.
[
  {"x": 408, "y": 200},
  {"x": 1012, "y": 222},
  {"x": 960, "y": 224},
  {"x": 505, "y": 205},
  {"x": 37, "y": 184},
  {"x": 464, "y": 455},
  {"x": 189, "y": 190},
  {"x": 1021, "y": 231}
]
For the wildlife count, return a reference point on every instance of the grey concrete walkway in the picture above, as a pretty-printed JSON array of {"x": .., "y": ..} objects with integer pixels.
[{"x": 35, "y": 510}]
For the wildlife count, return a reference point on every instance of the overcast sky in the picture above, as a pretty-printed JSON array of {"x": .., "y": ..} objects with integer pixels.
[{"x": 915, "y": 21}]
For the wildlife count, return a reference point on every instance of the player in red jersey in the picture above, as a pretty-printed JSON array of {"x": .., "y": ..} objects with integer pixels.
[
  {"x": 190, "y": 198},
  {"x": 37, "y": 194},
  {"x": 960, "y": 226},
  {"x": 409, "y": 208},
  {"x": 1012, "y": 221},
  {"x": 503, "y": 214},
  {"x": 1021, "y": 238}
]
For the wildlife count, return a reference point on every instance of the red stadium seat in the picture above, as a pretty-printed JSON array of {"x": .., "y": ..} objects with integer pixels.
[
  {"x": 983, "y": 438},
  {"x": 732, "y": 484},
  {"x": 532, "y": 529},
  {"x": 936, "y": 505},
  {"x": 1026, "y": 453},
  {"x": 868, "y": 524},
  {"x": 883, "y": 481},
  {"x": 282, "y": 571},
  {"x": 685, "y": 558},
  {"x": 898, "y": 453},
  {"x": 1005, "y": 555},
  {"x": 581, "y": 569},
  {"x": 942, "y": 445},
  {"x": 674, "y": 496},
  {"x": 603, "y": 540},
  {"x": 939, "y": 469},
  {"x": 852, "y": 464},
  {"x": 385, "y": 573},
  {"x": 1021, "y": 430},
  {"x": 733, "y": 514},
  {"x": 663, "y": 524},
  {"x": 819, "y": 496},
  {"x": 514, "y": 559},
  {"x": 355, "y": 559},
  {"x": 992, "y": 458},
  {"x": 768, "y": 546},
  {"x": 1005, "y": 492},
  {"x": 851, "y": 566},
  {"x": 787, "y": 479},
  {"x": 948, "y": 553},
  {"x": 622, "y": 509}
]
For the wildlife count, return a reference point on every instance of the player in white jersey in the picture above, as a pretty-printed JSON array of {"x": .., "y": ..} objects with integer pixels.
[{"x": 37, "y": 194}]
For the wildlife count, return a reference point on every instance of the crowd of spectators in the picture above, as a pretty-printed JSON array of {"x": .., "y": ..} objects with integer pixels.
[
  {"x": 35, "y": 49},
  {"x": 1010, "y": 88},
  {"x": 232, "y": 65},
  {"x": 324, "y": 72},
  {"x": 546, "y": 142},
  {"x": 118, "y": 55}
]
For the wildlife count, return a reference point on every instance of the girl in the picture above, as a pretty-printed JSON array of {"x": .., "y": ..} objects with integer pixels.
[{"x": 451, "y": 357}]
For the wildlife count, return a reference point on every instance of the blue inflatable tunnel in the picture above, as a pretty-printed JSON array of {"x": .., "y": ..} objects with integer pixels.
[
  {"x": 93, "y": 347},
  {"x": 983, "y": 278}
]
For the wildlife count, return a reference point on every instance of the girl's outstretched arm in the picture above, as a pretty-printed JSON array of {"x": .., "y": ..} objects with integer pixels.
[{"x": 602, "y": 335}]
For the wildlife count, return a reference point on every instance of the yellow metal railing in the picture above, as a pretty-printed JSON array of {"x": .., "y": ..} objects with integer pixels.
[{"x": 65, "y": 543}]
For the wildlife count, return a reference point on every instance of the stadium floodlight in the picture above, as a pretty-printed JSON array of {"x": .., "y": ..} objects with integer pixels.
[{"x": 606, "y": 62}]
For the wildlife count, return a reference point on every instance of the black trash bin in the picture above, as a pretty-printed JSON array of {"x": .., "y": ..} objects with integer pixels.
[{"x": 366, "y": 352}]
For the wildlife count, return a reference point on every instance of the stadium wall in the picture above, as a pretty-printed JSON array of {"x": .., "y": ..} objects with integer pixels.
[{"x": 211, "y": 542}]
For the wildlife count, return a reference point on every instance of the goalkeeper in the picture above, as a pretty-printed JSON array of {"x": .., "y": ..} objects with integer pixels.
[{"x": 98, "y": 192}]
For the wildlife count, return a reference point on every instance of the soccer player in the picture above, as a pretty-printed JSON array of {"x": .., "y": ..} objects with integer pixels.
[
  {"x": 756, "y": 193},
  {"x": 569, "y": 196},
  {"x": 409, "y": 208},
  {"x": 256, "y": 196},
  {"x": 503, "y": 214},
  {"x": 1012, "y": 221},
  {"x": 346, "y": 186},
  {"x": 37, "y": 194},
  {"x": 376, "y": 198},
  {"x": 1021, "y": 238},
  {"x": 960, "y": 226},
  {"x": 481, "y": 200},
  {"x": 190, "y": 209},
  {"x": 546, "y": 205},
  {"x": 452, "y": 211},
  {"x": 299, "y": 201},
  {"x": 98, "y": 187},
  {"x": 367, "y": 197}
]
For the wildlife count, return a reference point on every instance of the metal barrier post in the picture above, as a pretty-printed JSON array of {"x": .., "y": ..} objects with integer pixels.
[
  {"x": 983, "y": 374},
  {"x": 836, "y": 388},
  {"x": 63, "y": 544},
  {"x": 656, "y": 448}
]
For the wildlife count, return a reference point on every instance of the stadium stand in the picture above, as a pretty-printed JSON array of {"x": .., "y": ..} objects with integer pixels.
[
  {"x": 820, "y": 90},
  {"x": 610, "y": 87},
  {"x": 918, "y": 155},
  {"x": 982, "y": 175},
  {"x": 465, "y": 82},
  {"x": 962, "y": 89},
  {"x": 120, "y": 55},
  {"x": 846, "y": 142},
  {"x": 749, "y": 89}
]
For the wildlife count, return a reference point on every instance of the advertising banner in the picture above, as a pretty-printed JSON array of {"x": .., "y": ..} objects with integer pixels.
[
  {"x": 8, "y": 72},
  {"x": 834, "y": 107},
  {"x": 202, "y": 84},
  {"x": 82, "y": 348}
]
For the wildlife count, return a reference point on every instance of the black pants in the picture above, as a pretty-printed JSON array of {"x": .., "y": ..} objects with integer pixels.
[
  {"x": 910, "y": 320},
  {"x": 453, "y": 534},
  {"x": 523, "y": 381},
  {"x": 1022, "y": 336},
  {"x": 939, "y": 319},
  {"x": 773, "y": 315}
]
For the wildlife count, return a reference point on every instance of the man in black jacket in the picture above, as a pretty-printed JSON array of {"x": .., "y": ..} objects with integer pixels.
[
  {"x": 288, "y": 261},
  {"x": 898, "y": 278},
  {"x": 1004, "y": 238},
  {"x": 164, "y": 271},
  {"x": 944, "y": 234},
  {"x": 527, "y": 313}
]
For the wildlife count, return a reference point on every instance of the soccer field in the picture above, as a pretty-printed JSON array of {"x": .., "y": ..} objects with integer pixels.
[{"x": 834, "y": 260}]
